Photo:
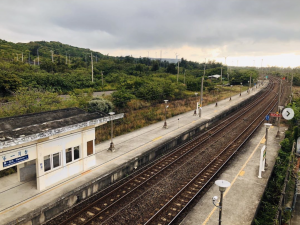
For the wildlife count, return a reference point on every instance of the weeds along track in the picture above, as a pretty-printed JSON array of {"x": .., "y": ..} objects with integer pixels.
[{"x": 158, "y": 194}]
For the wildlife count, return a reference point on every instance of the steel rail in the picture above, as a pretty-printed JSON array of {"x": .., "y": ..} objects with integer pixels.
[
  {"x": 258, "y": 118},
  {"x": 168, "y": 156},
  {"x": 102, "y": 221}
]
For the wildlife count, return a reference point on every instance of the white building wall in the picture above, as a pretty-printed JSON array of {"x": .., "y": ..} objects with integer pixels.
[{"x": 66, "y": 170}]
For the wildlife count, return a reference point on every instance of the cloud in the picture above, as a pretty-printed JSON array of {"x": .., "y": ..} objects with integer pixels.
[{"x": 234, "y": 27}]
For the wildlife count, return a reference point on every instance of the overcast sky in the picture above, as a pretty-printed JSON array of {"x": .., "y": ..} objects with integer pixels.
[{"x": 246, "y": 32}]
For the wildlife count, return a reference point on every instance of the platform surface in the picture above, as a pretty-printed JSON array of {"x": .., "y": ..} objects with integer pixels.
[
  {"x": 20, "y": 198},
  {"x": 241, "y": 199}
]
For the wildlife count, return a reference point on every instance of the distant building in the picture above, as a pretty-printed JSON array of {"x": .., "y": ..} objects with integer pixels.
[{"x": 50, "y": 146}]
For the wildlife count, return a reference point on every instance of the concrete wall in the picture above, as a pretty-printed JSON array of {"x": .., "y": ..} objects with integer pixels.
[{"x": 48, "y": 211}]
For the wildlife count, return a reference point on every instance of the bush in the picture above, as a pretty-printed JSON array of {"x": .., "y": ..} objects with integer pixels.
[{"x": 99, "y": 104}]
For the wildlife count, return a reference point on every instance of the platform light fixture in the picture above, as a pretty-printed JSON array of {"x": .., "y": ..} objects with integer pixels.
[
  {"x": 111, "y": 147},
  {"x": 223, "y": 184},
  {"x": 195, "y": 112},
  {"x": 166, "y": 106},
  {"x": 241, "y": 89}
]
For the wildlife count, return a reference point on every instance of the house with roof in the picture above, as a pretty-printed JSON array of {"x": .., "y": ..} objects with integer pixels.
[{"x": 50, "y": 146}]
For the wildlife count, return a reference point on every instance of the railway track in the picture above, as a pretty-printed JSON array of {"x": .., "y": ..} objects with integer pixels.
[{"x": 190, "y": 166}]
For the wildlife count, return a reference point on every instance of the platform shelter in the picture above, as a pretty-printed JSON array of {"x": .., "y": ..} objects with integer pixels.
[{"x": 50, "y": 146}]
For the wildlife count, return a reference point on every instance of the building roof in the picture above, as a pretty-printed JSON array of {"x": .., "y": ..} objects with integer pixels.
[{"x": 21, "y": 129}]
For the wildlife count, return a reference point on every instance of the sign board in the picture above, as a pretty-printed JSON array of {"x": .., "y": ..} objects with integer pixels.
[
  {"x": 267, "y": 117},
  {"x": 15, "y": 161},
  {"x": 275, "y": 115}
]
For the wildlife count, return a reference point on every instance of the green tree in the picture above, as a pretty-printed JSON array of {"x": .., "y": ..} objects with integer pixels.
[{"x": 121, "y": 97}]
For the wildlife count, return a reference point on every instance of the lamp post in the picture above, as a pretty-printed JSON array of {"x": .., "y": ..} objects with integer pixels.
[
  {"x": 166, "y": 106},
  {"x": 280, "y": 110},
  {"x": 241, "y": 89},
  {"x": 195, "y": 112},
  {"x": 248, "y": 87},
  {"x": 217, "y": 98},
  {"x": 111, "y": 147},
  {"x": 230, "y": 92},
  {"x": 267, "y": 125},
  {"x": 223, "y": 184}
]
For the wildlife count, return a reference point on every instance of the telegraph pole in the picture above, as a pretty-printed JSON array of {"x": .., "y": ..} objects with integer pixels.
[
  {"x": 92, "y": 67},
  {"x": 38, "y": 56},
  {"x": 22, "y": 57},
  {"x": 51, "y": 55},
  {"x": 201, "y": 97},
  {"x": 204, "y": 66},
  {"x": 102, "y": 77},
  {"x": 221, "y": 75},
  {"x": 291, "y": 89}
]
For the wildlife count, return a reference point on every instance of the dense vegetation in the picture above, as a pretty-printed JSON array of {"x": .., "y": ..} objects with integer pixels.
[{"x": 140, "y": 78}]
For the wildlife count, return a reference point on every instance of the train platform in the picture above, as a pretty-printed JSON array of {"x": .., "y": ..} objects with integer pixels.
[
  {"x": 21, "y": 200},
  {"x": 243, "y": 196}
]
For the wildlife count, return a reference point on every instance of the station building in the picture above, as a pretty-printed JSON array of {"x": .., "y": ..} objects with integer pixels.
[{"x": 50, "y": 146}]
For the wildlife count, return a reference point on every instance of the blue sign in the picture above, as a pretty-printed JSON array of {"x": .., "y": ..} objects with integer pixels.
[
  {"x": 267, "y": 117},
  {"x": 14, "y": 161}
]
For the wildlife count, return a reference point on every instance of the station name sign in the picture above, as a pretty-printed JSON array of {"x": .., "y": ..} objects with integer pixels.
[
  {"x": 275, "y": 115},
  {"x": 15, "y": 161}
]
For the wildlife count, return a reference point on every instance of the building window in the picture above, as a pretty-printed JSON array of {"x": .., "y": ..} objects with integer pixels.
[
  {"x": 69, "y": 155},
  {"x": 72, "y": 154},
  {"x": 76, "y": 152},
  {"x": 90, "y": 147},
  {"x": 56, "y": 160},
  {"x": 47, "y": 163},
  {"x": 52, "y": 161}
]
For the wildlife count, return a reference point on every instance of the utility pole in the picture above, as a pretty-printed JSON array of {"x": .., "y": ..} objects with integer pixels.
[
  {"x": 204, "y": 66},
  {"x": 291, "y": 89},
  {"x": 29, "y": 58},
  {"x": 38, "y": 56},
  {"x": 201, "y": 97},
  {"x": 69, "y": 60},
  {"x": 184, "y": 77},
  {"x": 221, "y": 76},
  {"x": 51, "y": 54},
  {"x": 92, "y": 67},
  {"x": 177, "y": 71},
  {"x": 102, "y": 77},
  {"x": 177, "y": 67},
  {"x": 66, "y": 58},
  {"x": 278, "y": 108}
]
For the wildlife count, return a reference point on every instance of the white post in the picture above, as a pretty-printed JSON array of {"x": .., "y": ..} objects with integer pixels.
[{"x": 261, "y": 161}]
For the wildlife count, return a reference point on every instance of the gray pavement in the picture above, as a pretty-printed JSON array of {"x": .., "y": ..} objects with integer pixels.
[
  {"x": 241, "y": 199},
  {"x": 22, "y": 198}
]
